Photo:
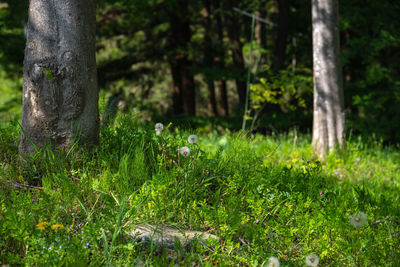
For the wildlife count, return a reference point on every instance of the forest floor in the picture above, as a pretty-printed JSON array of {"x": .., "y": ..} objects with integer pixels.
[{"x": 261, "y": 196}]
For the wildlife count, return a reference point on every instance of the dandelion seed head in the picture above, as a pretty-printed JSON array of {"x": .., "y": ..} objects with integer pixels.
[
  {"x": 312, "y": 260},
  {"x": 158, "y": 127},
  {"x": 185, "y": 151},
  {"x": 359, "y": 219},
  {"x": 192, "y": 139},
  {"x": 273, "y": 262}
]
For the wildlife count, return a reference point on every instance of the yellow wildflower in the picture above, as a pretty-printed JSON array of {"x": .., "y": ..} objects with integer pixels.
[
  {"x": 41, "y": 225},
  {"x": 57, "y": 226}
]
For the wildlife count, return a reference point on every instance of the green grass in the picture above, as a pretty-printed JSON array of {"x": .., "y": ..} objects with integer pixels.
[
  {"x": 262, "y": 196},
  {"x": 10, "y": 97}
]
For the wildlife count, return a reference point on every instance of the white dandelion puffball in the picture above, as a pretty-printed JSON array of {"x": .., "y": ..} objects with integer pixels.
[
  {"x": 359, "y": 219},
  {"x": 312, "y": 260},
  {"x": 158, "y": 127},
  {"x": 273, "y": 262},
  {"x": 192, "y": 139},
  {"x": 185, "y": 151}
]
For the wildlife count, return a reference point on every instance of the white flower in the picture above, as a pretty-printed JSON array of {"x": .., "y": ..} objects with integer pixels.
[
  {"x": 359, "y": 219},
  {"x": 312, "y": 260},
  {"x": 185, "y": 151},
  {"x": 159, "y": 127},
  {"x": 273, "y": 262},
  {"x": 192, "y": 139}
]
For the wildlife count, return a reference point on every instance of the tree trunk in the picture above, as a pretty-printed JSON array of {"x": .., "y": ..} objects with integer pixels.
[
  {"x": 188, "y": 92},
  {"x": 283, "y": 30},
  {"x": 329, "y": 122},
  {"x": 183, "y": 80},
  {"x": 223, "y": 92},
  {"x": 233, "y": 29},
  {"x": 176, "y": 87},
  {"x": 60, "y": 95},
  {"x": 223, "y": 98},
  {"x": 209, "y": 57}
]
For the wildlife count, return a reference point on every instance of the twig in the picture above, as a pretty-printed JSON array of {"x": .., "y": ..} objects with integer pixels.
[
  {"x": 23, "y": 186},
  {"x": 273, "y": 151},
  {"x": 380, "y": 221},
  {"x": 256, "y": 17}
]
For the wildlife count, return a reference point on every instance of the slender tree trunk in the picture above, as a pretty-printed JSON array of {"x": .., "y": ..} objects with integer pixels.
[
  {"x": 329, "y": 121},
  {"x": 263, "y": 30},
  {"x": 223, "y": 91},
  {"x": 188, "y": 89},
  {"x": 60, "y": 94},
  {"x": 233, "y": 29},
  {"x": 223, "y": 98},
  {"x": 283, "y": 30},
  {"x": 183, "y": 80},
  {"x": 212, "y": 98},
  {"x": 209, "y": 58},
  {"x": 176, "y": 86}
]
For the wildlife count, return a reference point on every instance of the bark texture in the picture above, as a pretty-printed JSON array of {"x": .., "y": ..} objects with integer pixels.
[
  {"x": 60, "y": 94},
  {"x": 329, "y": 117}
]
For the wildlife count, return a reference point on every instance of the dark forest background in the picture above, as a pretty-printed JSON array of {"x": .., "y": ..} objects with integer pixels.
[{"x": 188, "y": 60}]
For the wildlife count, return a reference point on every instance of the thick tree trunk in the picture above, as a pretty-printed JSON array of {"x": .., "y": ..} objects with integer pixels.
[
  {"x": 329, "y": 122},
  {"x": 233, "y": 29},
  {"x": 60, "y": 95}
]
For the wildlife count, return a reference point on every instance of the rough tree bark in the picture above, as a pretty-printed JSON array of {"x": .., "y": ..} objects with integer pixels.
[
  {"x": 60, "y": 95},
  {"x": 329, "y": 121}
]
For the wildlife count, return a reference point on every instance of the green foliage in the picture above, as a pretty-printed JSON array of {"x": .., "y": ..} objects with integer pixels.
[
  {"x": 282, "y": 88},
  {"x": 370, "y": 56},
  {"x": 261, "y": 196}
]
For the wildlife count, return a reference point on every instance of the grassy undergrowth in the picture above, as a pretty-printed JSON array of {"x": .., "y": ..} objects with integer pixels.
[{"x": 262, "y": 196}]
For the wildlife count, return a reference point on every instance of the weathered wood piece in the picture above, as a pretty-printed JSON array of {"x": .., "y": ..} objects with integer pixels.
[{"x": 165, "y": 236}]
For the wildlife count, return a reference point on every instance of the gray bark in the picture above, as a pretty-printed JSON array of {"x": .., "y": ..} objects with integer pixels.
[
  {"x": 60, "y": 94},
  {"x": 329, "y": 121}
]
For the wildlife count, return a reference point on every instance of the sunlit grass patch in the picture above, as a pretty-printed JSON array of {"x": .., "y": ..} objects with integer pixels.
[{"x": 262, "y": 196}]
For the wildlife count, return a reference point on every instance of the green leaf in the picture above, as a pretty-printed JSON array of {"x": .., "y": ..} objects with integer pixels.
[{"x": 49, "y": 74}]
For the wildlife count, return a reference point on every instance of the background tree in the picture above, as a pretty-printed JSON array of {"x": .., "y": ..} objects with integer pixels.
[
  {"x": 135, "y": 49},
  {"x": 60, "y": 94},
  {"x": 329, "y": 124}
]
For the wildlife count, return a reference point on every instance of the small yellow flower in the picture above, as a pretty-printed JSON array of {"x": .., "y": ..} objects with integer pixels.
[
  {"x": 295, "y": 160},
  {"x": 57, "y": 226},
  {"x": 42, "y": 225},
  {"x": 304, "y": 169}
]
